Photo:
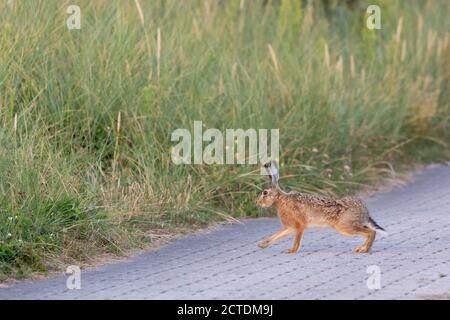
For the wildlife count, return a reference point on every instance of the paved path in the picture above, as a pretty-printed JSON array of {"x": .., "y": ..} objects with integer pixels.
[{"x": 414, "y": 260}]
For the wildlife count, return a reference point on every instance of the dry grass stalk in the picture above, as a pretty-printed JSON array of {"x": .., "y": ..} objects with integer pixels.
[
  {"x": 116, "y": 149},
  {"x": 119, "y": 118},
  {"x": 424, "y": 104},
  {"x": 403, "y": 52},
  {"x": 431, "y": 39},
  {"x": 233, "y": 70},
  {"x": 340, "y": 67},
  {"x": 419, "y": 25},
  {"x": 446, "y": 41},
  {"x": 158, "y": 53},
  {"x": 139, "y": 10},
  {"x": 398, "y": 32},
  {"x": 352, "y": 67},
  {"x": 128, "y": 68},
  {"x": 440, "y": 44},
  {"x": 327, "y": 55},
  {"x": 273, "y": 56},
  {"x": 221, "y": 85},
  {"x": 15, "y": 122},
  {"x": 147, "y": 41}
]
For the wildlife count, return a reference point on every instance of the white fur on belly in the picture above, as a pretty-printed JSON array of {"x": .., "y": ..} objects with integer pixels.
[{"x": 317, "y": 224}]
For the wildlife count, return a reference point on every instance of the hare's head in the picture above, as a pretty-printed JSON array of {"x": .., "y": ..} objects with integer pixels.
[{"x": 268, "y": 197}]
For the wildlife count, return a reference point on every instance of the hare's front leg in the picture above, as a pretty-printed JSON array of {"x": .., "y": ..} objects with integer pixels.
[
  {"x": 297, "y": 241},
  {"x": 280, "y": 234}
]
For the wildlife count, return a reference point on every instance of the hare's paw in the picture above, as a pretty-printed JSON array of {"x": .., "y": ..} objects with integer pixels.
[
  {"x": 291, "y": 250},
  {"x": 362, "y": 249},
  {"x": 264, "y": 244}
]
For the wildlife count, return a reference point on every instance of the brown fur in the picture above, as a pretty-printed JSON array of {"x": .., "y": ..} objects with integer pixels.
[{"x": 298, "y": 211}]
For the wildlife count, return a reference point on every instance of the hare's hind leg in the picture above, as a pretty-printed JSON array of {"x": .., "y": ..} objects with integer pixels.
[
  {"x": 280, "y": 234},
  {"x": 351, "y": 231},
  {"x": 370, "y": 234}
]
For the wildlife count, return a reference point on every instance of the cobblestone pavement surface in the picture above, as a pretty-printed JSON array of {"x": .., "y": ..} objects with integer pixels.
[{"x": 413, "y": 261}]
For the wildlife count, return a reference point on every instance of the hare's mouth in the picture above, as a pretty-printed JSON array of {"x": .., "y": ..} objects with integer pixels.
[{"x": 261, "y": 204}]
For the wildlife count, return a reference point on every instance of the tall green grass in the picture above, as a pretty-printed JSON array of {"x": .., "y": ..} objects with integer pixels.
[{"x": 86, "y": 115}]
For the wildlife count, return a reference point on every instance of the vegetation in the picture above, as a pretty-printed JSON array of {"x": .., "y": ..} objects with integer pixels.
[{"x": 86, "y": 115}]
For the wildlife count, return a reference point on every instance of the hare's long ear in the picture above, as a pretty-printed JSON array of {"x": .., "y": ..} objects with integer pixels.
[{"x": 274, "y": 174}]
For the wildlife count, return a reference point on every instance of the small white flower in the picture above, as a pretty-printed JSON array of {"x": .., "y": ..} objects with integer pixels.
[
  {"x": 10, "y": 218},
  {"x": 9, "y": 235}
]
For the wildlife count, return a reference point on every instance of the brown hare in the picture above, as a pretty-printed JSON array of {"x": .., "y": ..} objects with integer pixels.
[{"x": 297, "y": 211}]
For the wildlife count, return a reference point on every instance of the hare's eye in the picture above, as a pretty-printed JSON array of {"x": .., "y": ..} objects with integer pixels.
[{"x": 265, "y": 193}]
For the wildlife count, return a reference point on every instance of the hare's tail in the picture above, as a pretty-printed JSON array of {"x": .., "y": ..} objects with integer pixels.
[{"x": 375, "y": 227}]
